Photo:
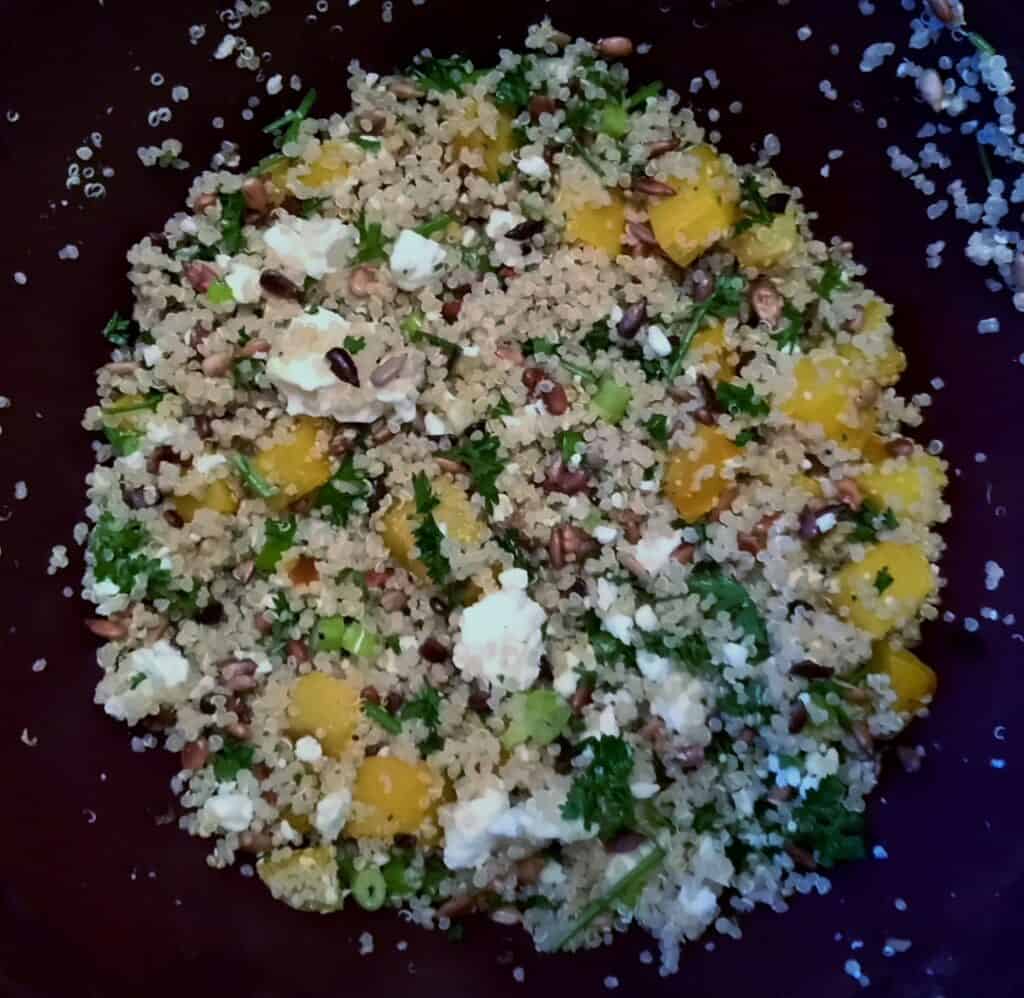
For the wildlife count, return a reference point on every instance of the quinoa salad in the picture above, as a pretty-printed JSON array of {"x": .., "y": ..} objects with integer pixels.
[{"x": 504, "y": 506}]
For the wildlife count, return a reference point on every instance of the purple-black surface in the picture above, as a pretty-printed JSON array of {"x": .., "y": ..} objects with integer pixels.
[{"x": 124, "y": 904}]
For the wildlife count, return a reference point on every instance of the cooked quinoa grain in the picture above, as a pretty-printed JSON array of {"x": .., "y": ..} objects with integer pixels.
[{"x": 506, "y": 507}]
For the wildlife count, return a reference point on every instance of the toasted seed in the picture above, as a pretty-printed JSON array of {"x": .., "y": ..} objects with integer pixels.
[
  {"x": 363, "y": 282},
  {"x": 642, "y": 234},
  {"x": 566, "y": 480},
  {"x": 780, "y": 795},
  {"x": 434, "y": 651},
  {"x": 811, "y": 670},
  {"x": 201, "y": 276},
  {"x": 864, "y": 738},
  {"x": 556, "y": 401},
  {"x": 526, "y": 230},
  {"x": 278, "y": 286},
  {"x": 239, "y": 731},
  {"x": 656, "y": 149},
  {"x": 511, "y": 354},
  {"x": 109, "y": 630},
  {"x": 532, "y": 377},
  {"x": 849, "y": 493},
  {"x": 195, "y": 754},
  {"x": 254, "y": 191},
  {"x": 384, "y": 373},
  {"x": 633, "y": 320},
  {"x": 370, "y": 694},
  {"x": 217, "y": 365},
  {"x": 121, "y": 367},
  {"x": 900, "y": 447},
  {"x": 342, "y": 366},
  {"x": 451, "y": 310},
  {"x": 1018, "y": 271},
  {"x": 625, "y": 842},
  {"x": 615, "y": 47},
  {"x": 204, "y": 203},
  {"x": 948, "y": 11},
  {"x": 541, "y": 104},
  {"x": 582, "y": 696},
  {"x": 255, "y": 843},
  {"x": 394, "y": 600},
  {"x": 798, "y": 718},
  {"x": 173, "y": 519},
  {"x": 243, "y": 571},
  {"x": 405, "y": 90},
  {"x": 556, "y": 553},
  {"x": 452, "y": 467},
  {"x": 766, "y": 301},
  {"x": 254, "y": 347},
  {"x": 932, "y": 89},
  {"x": 801, "y": 857},
  {"x": 653, "y": 188},
  {"x": 298, "y": 650}
]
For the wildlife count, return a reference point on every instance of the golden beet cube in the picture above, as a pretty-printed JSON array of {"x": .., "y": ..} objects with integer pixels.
[
  {"x": 392, "y": 797},
  {"x": 327, "y": 708},
  {"x": 694, "y": 479},
  {"x": 297, "y": 466}
]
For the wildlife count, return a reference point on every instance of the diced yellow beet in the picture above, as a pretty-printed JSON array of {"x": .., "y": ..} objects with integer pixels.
[
  {"x": 710, "y": 346},
  {"x": 703, "y": 211},
  {"x": 301, "y": 823},
  {"x": 297, "y": 466},
  {"x": 327, "y": 708},
  {"x": 903, "y": 574},
  {"x": 693, "y": 479},
  {"x": 911, "y": 680},
  {"x": 306, "y": 879},
  {"x": 826, "y": 391},
  {"x": 765, "y": 246},
  {"x": 600, "y": 226},
  {"x": 392, "y": 797},
  {"x": 884, "y": 366},
  {"x": 455, "y": 513},
  {"x": 876, "y": 314},
  {"x": 812, "y": 486},
  {"x": 329, "y": 167},
  {"x": 220, "y": 496},
  {"x": 912, "y": 488},
  {"x": 496, "y": 149}
]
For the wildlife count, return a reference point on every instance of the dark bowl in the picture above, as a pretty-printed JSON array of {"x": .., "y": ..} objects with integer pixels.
[{"x": 100, "y": 895}]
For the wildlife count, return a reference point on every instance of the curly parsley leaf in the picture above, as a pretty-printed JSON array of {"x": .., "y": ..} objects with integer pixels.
[
  {"x": 382, "y": 716},
  {"x": 339, "y": 497},
  {"x": 232, "y": 219},
  {"x": 741, "y": 400},
  {"x": 732, "y": 598},
  {"x": 282, "y": 624},
  {"x": 570, "y": 443},
  {"x": 826, "y": 826},
  {"x": 123, "y": 440},
  {"x": 452, "y": 74},
  {"x": 286, "y": 128},
  {"x": 120, "y": 331},
  {"x": 658, "y": 429},
  {"x": 869, "y": 520},
  {"x": 833, "y": 279},
  {"x": 723, "y": 303},
  {"x": 372, "y": 242},
  {"x": 600, "y": 794},
  {"x": 757, "y": 209},
  {"x": 598, "y": 338},
  {"x": 513, "y": 90},
  {"x": 791, "y": 335},
  {"x": 280, "y": 536},
  {"x": 232, "y": 759},
  {"x": 608, "y": 649},
  {"x": 427, "y": 533},
  {"x": 481, "y": 457},
  {"x": 118, "y": 553},
  {"x": 883, "y": 579}
]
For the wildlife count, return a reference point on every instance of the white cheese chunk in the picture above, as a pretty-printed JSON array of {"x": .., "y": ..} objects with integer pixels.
[
  {"x": 415, "y": 260},
  {"x": 309, "y": 247},
  {"x": 228, "y": 810},
  {"x": 500, "y": 639},
  {"x": 331, "y": 814},
  {"x": 680, "y": 703},
  {"x": 307, "y": 749},
  {"x": 654, "y": 550},
  {"x": 535, "y": 167}
]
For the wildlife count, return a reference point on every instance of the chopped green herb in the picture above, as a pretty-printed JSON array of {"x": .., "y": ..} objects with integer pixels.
[
  {"x": 513, "y": 542},
  {"x": 755, "y": 207},
  {"x": 984, "y": 47},
  {"x": 414, "y": 327},
  {"x": 283, "y": 622},
  {"x": 481, "y": 457},
  {"x": 598, "y": 339},
  {"x": 690, "y": 651},
  {"x": 137, "y": 680},
  {"x": 339, "y": 497},
  {"x": 232, "y": 219},
  {"x": 826, "y": 826},
  {"x": 367, "y": 143},
  {"x": 248, "y": 372},
  {"x": 121, "y": 332},
  {"x": 453, "y": 74},
  {"x": 833, "y": 279},
  {"x": 612, "y": 399},
  {"x": 428, "y": 534},
  {"x": 123, "y": 440},
  {"x": 383, "y": 717},
  {"x": 280, "y": 536},
  {"x": 741, "y": 400},
  {"x": 608, "y": 649},
  {"x": 500, "y": 408},
  {"x": 752, "y": 434},
  {"x": 732, "y": 598},
  {"x": 630, "y": 886},
  {"x": 118, "y": 556},
  {"x": 286, "y": 128},
  {"x": 513, "y": 91},
  {"x": 791, "y": 335},
  {"x": 600, "y": 794},
  {"x": 570, "y": 443},
  {"x": 658, "y": 429},
  {"x": 232, "y": 759},
  {"x": 135, "y": 403},
  {"x": 723, "y": 303},
  {"x": 251, "y": 478},
  {"x": 870, "y": 520},
  {"x": 372, "y": 243},
  {"x": 426, "y": 708},
  {"x": 310, "y": 207},
  {"x": 883, "y": 579},
  {"x": 354, "y": 344},
  {"x": 539, "y": 346}
]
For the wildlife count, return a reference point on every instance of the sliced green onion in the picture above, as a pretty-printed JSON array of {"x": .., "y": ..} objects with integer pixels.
[
  {"x": 380, "y": 715},
  {"x": 330, "y": 633},
  {"x": 219, "y": 293},
  {"x": 280, "y": 537},
  {"x": 253, "y": 480},
  {"x": 133, "y": 403},
  {"x": 612, "y": 400},
  {"x": 435, "y": 225},
  {"x": 615, "y": 120},
  {"x": 358, "y": 640},
  {"x": 626, "y": 886},
  {"x": 370, "y": 889},
  {"x": 124, "y": 442}
]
